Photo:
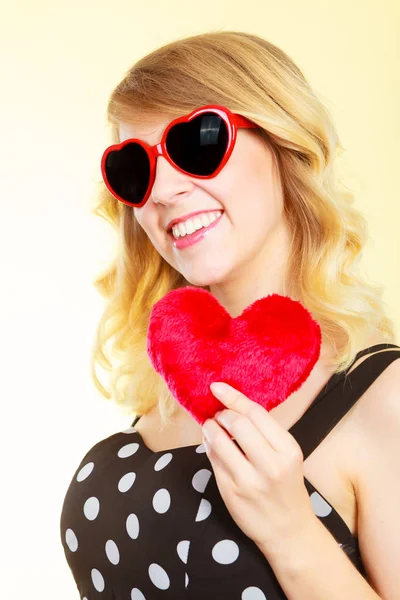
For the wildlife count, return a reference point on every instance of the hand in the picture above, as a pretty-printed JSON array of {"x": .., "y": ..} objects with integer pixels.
[{"x": 261, "y": 481}]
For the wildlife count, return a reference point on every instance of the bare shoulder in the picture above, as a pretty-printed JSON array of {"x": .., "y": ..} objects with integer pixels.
[
  {"x": 379, "y": 407},
  {"x": 370, "y": 416},
  {"x": 372, "y": 419}
]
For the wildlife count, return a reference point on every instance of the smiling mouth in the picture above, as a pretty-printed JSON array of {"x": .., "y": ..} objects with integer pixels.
[
  {"x": 199, "y": 222},
  {"x": 191, "y": 239}
]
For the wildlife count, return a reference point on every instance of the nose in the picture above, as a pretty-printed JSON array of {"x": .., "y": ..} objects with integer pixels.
[{"x": 169, "y": 183}]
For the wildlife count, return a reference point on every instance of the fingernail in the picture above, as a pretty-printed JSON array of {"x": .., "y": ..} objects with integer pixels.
[{"x": 218, "y": 388}]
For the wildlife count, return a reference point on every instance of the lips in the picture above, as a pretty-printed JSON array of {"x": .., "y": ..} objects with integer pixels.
[{"x": 191, "y": 239}]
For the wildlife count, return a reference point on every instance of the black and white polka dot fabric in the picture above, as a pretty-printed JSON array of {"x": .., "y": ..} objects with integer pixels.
[{"x": 143, "y": 525}]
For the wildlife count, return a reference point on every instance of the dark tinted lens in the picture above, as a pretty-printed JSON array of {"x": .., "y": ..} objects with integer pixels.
[
  {"x": 128, "y": 172},
  {"x": 198, "y": 146}
]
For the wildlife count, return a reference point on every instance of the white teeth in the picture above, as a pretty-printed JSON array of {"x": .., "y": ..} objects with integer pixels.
[
  {"x": 197, "y": 223},
  {"x": 205, "y": 219},
  {"x": 191, "y": 225}
]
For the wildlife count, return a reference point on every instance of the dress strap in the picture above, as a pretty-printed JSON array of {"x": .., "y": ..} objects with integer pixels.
[
  {"x": 337, "y": 377},
  {"x": 136, "y": 419},
  {"x": 337, "y": 397},
  {"x": 368, "y": 351}
]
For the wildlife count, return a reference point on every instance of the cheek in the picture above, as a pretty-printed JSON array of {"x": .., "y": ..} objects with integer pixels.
[
  {"x": 144, "y": 219},
  {"x": 138, "y": 215},
  {"x": 149, "y": 222},
  {"x": 255, "y": 202}
]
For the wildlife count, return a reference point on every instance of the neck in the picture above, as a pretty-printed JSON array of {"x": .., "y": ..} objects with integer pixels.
[{"x": 262, "y": 275}]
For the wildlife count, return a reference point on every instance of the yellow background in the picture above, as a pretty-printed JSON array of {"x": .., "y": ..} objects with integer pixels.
[{"x": 59, "y": 62}]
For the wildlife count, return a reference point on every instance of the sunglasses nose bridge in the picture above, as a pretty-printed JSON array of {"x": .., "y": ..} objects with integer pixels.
[{"x": 157, "y": 151}]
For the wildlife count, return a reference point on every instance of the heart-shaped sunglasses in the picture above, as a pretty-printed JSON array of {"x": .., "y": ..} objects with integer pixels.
[{"x": 198, "y": 144}]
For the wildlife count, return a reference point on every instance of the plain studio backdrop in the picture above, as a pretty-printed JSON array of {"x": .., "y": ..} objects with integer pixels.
[{"x": 59, "y": 62}]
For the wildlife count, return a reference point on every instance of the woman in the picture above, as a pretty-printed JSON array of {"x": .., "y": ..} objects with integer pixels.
[{"x": 305, "y": 504}]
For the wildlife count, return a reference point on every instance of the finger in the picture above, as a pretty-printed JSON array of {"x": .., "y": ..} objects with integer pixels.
[
  {"x": 278, "y": 437},
  {"x": 254, "y": 444},
  {"x": 224, "y": 450}
]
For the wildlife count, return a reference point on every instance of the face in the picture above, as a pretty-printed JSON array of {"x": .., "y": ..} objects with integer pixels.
[{"x": 246, "y": 194}]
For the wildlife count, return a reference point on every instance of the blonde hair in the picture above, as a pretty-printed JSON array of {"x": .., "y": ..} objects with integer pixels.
[{"x": 250, "y": 76}]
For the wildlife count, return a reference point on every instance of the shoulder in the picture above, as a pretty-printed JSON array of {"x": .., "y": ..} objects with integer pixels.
[
  {"x": 375, "y": 444},
  {"x": 375, "y": 419},
  {"x": 378, "y": 410}
]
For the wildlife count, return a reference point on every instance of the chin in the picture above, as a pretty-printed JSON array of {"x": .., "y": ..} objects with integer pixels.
[{"x": 206, "y": 278}]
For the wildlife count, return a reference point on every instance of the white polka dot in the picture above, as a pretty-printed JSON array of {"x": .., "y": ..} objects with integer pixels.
[
  {"x": 161, "y": 501},
  {"x": 98, "y": 580},
  {"x": 320, "y": 506},
  {"x": 84, "y": 598},
  {"x": 112, "y": 552},
  {"x": 91, "y": 508},
  {"x": 186, "y": 580},
  {"x": 200, "y": 479},
  {"x": 183, "y": 549},
  {"x": 128, "y": 450},
  {"x": 85, "y": 471},
  {"x": 132, "y": 526},
  {"x": 253, "y": 593},
  {"x": 163, "y": 461},
  {"x": 126, "y": 482},
  {"x": 201, "y": 449},
  {"x": 129, "y": 430},
  {"x": 204, "y": 510},
  {"x": 71, "y": 540},
  {"x": 225, "y": 552},
  {"x": 158, "y": 577},
  {"x": 137, "y": 595}
]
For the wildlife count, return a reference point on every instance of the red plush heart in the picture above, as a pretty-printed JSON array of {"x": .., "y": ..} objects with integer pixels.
[{"x": 266, "y": 353}]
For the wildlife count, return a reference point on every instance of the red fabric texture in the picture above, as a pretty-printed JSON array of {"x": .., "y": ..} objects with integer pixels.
[{"x": 267, "y": 352}]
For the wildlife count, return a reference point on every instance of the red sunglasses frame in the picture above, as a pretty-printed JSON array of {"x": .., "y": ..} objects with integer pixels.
[{"x": 232, "y": 120}]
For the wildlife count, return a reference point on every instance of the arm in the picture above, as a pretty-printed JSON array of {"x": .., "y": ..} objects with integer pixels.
[{"x": 314, "y": 567}]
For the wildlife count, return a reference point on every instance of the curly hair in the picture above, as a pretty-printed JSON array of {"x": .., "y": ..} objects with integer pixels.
[{"x": 253, "y": 77}]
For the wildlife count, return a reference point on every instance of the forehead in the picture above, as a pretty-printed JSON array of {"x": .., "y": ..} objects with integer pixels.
[{"x": 149, "y": 130}]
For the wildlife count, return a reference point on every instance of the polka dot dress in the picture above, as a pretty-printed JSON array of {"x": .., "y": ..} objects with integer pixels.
[{"x": 142, "y": 525}]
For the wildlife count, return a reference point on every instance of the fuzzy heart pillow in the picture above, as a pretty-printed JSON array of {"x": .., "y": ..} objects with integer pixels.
[{"x": 266, "y": 353}]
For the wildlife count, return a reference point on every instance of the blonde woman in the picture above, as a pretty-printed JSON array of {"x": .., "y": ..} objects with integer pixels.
[{"x": 221, "y": 175}]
